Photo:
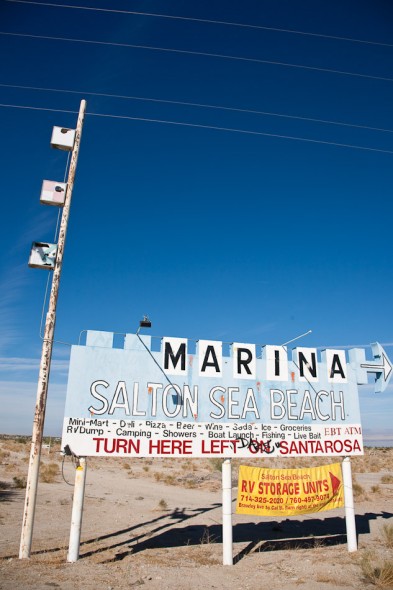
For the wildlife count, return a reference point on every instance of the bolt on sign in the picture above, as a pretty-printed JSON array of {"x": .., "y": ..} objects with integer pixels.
[
  {"x": 135, "y": 401},
  {"x": 289, "y": 492}
]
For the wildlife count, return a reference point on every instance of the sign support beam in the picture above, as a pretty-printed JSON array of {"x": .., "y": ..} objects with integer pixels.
[
  {"x": 227, "y": 551},
  {"x": 77, "y": 511},
  {"x": 349, "y": 505},
  {"x": 46, "y": 357}
]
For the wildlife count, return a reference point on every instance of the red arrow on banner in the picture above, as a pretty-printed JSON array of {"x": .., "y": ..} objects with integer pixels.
[{"x": 336, "y": 483}]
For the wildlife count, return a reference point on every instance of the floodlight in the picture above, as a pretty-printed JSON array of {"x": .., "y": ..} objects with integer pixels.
[{"x": 144, "y": 323}]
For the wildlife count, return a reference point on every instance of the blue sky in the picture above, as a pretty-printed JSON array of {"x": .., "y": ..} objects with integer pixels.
[{"x": 225, "y": 235}]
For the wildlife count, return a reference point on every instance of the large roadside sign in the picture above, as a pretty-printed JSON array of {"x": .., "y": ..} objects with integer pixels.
[{"x": 134, "y": 401}]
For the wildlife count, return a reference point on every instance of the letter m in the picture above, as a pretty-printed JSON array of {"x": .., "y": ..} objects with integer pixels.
[{"x": 175, "y": 354}]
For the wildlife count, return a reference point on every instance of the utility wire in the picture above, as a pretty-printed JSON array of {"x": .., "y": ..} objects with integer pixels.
[
  {"x": 205, "y": 21},
  {"x": 201, "y": 54},
  {"x": 244, "y": 131},
  {"x": 200, "y": 105},
  {"x": 213, "y": 127}
]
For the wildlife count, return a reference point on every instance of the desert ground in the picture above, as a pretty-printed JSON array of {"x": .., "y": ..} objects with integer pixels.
[{"x": 157, "y": 522}]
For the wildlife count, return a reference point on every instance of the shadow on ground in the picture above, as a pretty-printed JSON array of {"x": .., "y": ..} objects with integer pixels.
[
  {"x": 168, "y": 530},
  {"x": 264, "y": 536},
  {"x": 7, "y": 492}
]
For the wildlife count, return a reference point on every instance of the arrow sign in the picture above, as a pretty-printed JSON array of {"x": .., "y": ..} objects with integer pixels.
[
  {"x": 381, "y": 366},
  {"x": 335, "y": 483}
]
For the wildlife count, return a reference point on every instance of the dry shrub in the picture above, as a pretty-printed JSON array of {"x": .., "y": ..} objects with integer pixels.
[
  {"x": 170, "y": 480},
  {"x": 207, "y": 538},
  {"x": 375, "y": 459},
  {"x": 162, "y": 505},
  {"x": 387, "y": 535},
  {"x": 331, "y": 579},
  {"x": 387, "y": 479},
  {"x": 191, "y": 484},
  {"x": 17, "y": 445},
  {"x": 377, "y": 572},
  {"x": 187, "y": 465},
  {"x": 215, "y": 464},
  {"x": 358, "y": 491},
  {"x": 4, "y": 455},
  {"x": 49, "y": 472},
  {"x": 19, "y": 482}
]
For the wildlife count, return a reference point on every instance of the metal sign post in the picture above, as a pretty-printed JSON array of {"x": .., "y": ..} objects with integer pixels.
[
  {"x": 349, "y": 505},
  {"x": 46, "y": 357},
  {"x": 77, "y": 511},
  {"x": 227, "y": 533}
]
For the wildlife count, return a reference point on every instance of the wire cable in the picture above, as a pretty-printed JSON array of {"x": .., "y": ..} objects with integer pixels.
[
  {"x": 243, "y": 131},
  {"x": 62, "y": 472},
  {"x": 202, "y": 54},
  {"x": 212, "y": 127},
  {"x": 158, "y": 364},
  {"x": 205, "y": 21},
  {"x": 200, "y": 105}
]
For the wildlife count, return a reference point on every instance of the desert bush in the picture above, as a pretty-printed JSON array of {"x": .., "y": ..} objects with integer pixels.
[
  {"x": 375, "y": 489},
  {"x": 207, "y": 538},
  {"x": 387, "y": 535},
  {"x": 170, "y": 480},
  {"x": 162, "y": 505},
  {"x": 15, "y": 445},
  {"x": 377, "y": 572},
  {"x": 358, "y": 491},
  {"x": 387, "y": 479},
  {"x": 215, "y": 464},
  {"x": 191, "y": 484},
  {"x": 19, "y": 482},
  {"x": 49, "y": 472},
  {"x": 4, "y": 455}
]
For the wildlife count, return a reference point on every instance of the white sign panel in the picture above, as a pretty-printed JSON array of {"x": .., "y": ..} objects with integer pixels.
[{"x": 139, "y": 402}]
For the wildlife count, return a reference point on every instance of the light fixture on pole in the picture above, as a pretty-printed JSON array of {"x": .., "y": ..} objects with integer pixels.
[{"x": 145, "y": 323}]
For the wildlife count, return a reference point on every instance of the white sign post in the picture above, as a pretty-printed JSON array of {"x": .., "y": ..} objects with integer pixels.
[
  {"x": 77, "y": 511},
  {"x": 349, "y": 505},
  {"x": 227, "y": 552}
]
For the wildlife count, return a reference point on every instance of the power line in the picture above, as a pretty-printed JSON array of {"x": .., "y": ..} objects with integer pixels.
[
  {"x": 206, "y": 21},
  {"x": 201, "y": 54},
  {"x": 17, "y": 106},
  {"x": 200, "y": 105},
  {"x": 213, "y": 127}
]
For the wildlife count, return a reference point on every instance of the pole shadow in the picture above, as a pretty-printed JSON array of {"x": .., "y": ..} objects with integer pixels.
[
  {"x": 165, "y": 521},
  {"x": 263, "y": 536},
  {"x": 7, "y": 492}
]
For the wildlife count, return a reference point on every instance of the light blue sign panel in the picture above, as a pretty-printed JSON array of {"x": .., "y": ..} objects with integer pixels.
[{"x": 136, "y": 402}]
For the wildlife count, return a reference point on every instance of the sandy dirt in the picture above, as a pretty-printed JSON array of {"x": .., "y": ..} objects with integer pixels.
[{"x": 157, "y": 524}]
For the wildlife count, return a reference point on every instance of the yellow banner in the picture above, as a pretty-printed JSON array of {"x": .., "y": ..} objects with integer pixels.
[{"x": 288, "y": 492}]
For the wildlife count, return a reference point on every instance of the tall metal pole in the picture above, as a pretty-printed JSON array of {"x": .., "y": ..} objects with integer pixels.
[{"x": 46, "y": 357}]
